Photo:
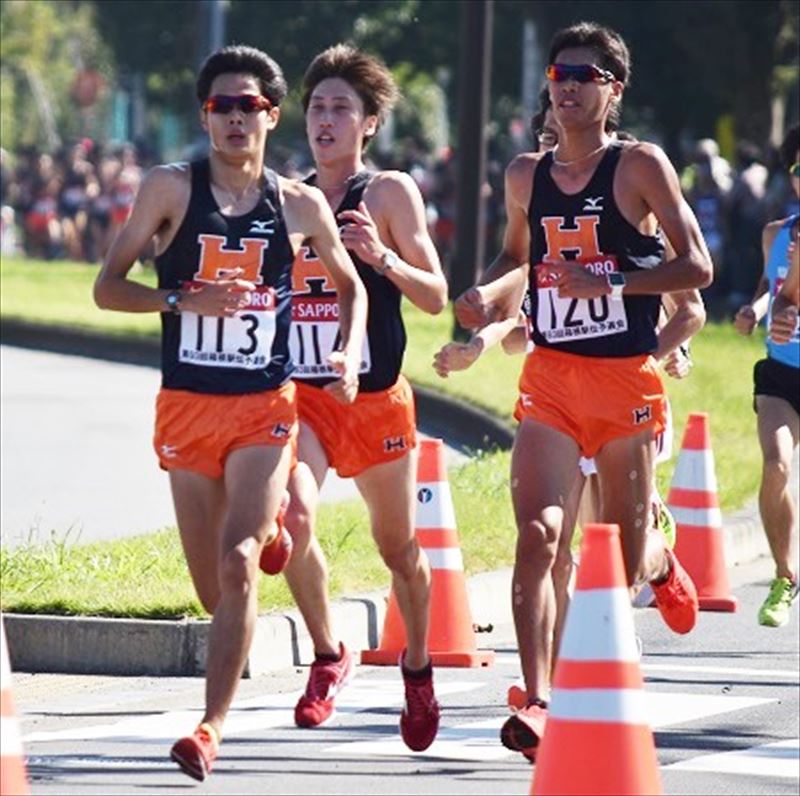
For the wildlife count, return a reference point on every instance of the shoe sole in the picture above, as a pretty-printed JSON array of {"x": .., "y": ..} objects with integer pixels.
[
  {"x": 518, "y": 737},
  {"x": 193, "y": 768}
]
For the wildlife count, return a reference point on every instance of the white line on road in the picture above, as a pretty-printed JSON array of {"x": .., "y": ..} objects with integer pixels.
[
  {"x": 260, "y": 713},
  {"x": 780, "y": 759}
]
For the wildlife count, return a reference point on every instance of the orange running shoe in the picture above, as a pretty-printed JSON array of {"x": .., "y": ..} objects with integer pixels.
[
  {"x": 196, "y": 753},
  {"x": 523, "y": 731},
  {"x": 676, "y": 597},
  {"x": 275, "y": 555}
]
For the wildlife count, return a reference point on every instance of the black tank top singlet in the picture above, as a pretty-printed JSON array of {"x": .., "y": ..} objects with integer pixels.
[
  {"x": 589, "y": 227},
  {"x": 315, "y": 315},
  {"x": 248, "y": 352}
]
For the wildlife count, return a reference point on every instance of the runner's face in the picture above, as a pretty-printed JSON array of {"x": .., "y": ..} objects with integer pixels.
[
  {"x": 335, "y": 121},
  {"x": 579, "y": 105},
  {"x": 238, "y": 134}
]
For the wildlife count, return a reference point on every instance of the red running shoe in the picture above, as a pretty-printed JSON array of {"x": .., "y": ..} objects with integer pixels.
[
  {"x": 325, "y": 680},
  {"x": 523, "y": 731},
  {"x": 419, "y": 721},
  {"x": 676, "y": 597},
  {"x": 196, "y": 753},
  {"x": 275, "y": 555}
]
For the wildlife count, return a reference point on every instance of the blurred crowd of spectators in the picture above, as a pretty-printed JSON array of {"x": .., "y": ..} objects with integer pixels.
[
  {"x": 70, "y": 204},
  {"x": 733, "y": 202},
  {"x": 67, "y": 204}
]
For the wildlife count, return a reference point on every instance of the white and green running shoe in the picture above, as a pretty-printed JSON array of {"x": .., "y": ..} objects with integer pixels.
[
  {"x": 775, "y": 610},
  {"x": 665, "y": 522}
]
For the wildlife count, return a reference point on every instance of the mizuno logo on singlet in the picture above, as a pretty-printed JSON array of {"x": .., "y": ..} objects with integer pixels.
[
  {"x": 593, "y": 203},
  {"x": 263, "y": 227}
]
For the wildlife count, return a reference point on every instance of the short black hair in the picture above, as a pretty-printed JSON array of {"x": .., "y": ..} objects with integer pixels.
[
  {"x": 790, "y": 145},
  {"x": 537, "y": 120},
  {"x": 241, "y": 59},
  {"x": 609, "y": 47}
]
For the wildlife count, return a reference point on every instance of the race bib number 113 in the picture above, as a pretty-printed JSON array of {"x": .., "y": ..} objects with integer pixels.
[{"x": 243, "y": 340}]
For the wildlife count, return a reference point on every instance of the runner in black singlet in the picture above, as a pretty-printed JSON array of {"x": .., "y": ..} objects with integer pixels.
[
  {"x": 586, "y": 219},
  {"x": 346, "y": 96},
  {"x": 226, "y": 231}
]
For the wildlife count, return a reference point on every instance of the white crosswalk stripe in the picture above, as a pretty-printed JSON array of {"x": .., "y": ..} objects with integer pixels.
[{"x": 779, "y": 759}]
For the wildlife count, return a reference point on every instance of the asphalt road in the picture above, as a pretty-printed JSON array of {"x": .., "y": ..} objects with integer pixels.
[
  {"x": 77, "y": 461},
  {"x": 723, "y": 703}
]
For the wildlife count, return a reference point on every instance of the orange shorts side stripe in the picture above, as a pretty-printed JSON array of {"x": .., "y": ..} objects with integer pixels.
[
  {"x": 378, "y": 427},
  {"x": 197, "y": 432},
  {"x": 591, "y": 399}
]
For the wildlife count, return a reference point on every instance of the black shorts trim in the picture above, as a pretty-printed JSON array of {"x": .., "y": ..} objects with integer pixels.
[{"x": 771, "y": 377}]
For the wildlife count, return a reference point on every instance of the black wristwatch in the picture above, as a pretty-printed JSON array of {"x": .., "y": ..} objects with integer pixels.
[{"x": 173, "y": 301}]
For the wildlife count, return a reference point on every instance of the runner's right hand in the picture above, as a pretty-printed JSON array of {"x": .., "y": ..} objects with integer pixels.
[
  {"x": 745, "y": 320},
  {"x": 472, "y": 312},
  {"x": 782, "y": 325},
  {"x": 221, "y": 299}
]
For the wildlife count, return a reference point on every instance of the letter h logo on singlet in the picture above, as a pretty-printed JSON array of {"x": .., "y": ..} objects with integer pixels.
[
  {"x": 582, "y": 239},
  {"x": 218, "y": 262}
]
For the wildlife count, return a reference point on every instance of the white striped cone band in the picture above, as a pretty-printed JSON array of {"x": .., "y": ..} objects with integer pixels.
[
  {"x": 698, "y": 518},
  {"x": 434, "y": 506},
  {"x": 695, "y": 470},
  {"x": 611, "y": 705},
  {"x": 599, "y": 627},
  {"x": 445, "y": 558}
]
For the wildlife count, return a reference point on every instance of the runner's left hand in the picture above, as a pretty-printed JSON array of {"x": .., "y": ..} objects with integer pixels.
[
  {"x": 345, "y": 388},
  {"x": 575, "y": 281},
  {"x": 360, "y": 235}
]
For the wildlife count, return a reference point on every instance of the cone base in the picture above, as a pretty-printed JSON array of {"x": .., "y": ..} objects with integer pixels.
[
  {"x": 468, "y": 660},
  {"x": 729, "y": 604},
  {"x": 601, "y": 758}
]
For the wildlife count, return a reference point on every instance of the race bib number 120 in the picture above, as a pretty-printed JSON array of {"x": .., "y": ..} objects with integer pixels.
[
  {"x": 243, "y": 340},
  {"x": 560, "y": 319}
]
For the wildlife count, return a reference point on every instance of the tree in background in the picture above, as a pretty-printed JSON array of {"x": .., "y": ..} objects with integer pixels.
[{"x": 52, "y": 71}]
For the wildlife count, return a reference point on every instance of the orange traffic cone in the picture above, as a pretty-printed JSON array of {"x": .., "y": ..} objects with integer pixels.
[
  {"x": 13, "y": 779},
  {"x": 597, "y": 739},
  {"x": 451, "y": 637},
  {"x": 692, "y": 499}
]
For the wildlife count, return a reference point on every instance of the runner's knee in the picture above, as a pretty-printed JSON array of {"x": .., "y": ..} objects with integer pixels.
[
  {"x": 237, "y": 571},
  {"x": 537, "y": 544},
  {"x": 402, "y": 559},
  {"x": 300, "y": 526}
]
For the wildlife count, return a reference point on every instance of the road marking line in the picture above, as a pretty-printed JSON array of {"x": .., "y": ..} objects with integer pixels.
[
  {"x": 793, "y": 674},
  {"x": 479, "y": 741},
  {"x": 780, "y": 759},
  {"x": 259, "y": 713}
]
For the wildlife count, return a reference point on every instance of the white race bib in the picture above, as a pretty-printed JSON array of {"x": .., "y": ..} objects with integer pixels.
[
  {"x": 243, "y": 340},
  {"x": 561, "y": 320},
  {"x": 315, "y": 335}
]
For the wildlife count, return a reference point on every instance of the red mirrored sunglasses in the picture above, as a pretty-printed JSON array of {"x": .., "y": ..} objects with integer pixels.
[
  {"x": 582, "y": 73},
  {"x": 246, "y": 103}
]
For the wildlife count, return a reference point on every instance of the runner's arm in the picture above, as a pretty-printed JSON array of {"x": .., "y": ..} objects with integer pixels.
[
  {"x": 749, "y": 315},
  {"x": 162, "y": 193},
  {"x": 308, "y": 210},
  {"x": 399, "y": 208},
  {"x": 686, "y": 316},
  {"x": 499, "y": 292},
  {"x": 460, "y": 356}
]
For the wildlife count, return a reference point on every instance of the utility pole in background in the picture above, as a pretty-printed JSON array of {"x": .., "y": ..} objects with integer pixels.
[{"x": 475, "y": 63}]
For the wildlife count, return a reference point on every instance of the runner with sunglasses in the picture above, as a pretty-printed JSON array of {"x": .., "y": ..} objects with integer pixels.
[
  {"x": 777, "y": 392},
  {"x": 588, "y": 217},
  {"x": 227, "y": 230},
  {"x": 346, "y": 96}
]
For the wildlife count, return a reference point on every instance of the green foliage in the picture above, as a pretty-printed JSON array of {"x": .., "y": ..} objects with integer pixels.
[{"x": 44, "y": 45}]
